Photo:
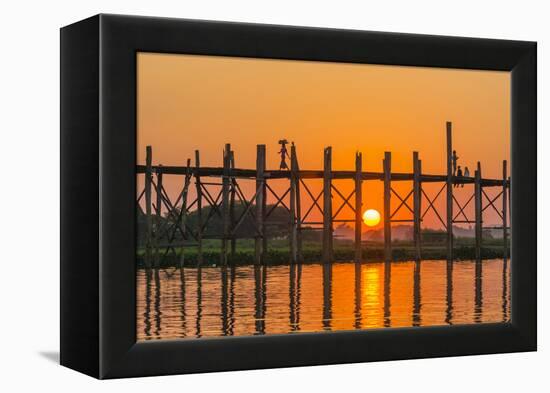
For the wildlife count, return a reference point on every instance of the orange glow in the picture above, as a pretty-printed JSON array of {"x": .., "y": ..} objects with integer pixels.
[{"x": 189, "y": 102}]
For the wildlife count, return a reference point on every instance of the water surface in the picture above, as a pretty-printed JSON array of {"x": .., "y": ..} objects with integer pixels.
[{"x": 251, "y": 300}]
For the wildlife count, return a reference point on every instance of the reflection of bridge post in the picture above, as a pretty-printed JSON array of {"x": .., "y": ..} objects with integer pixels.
[
  {"x": 259, "y": 291},
  {"x": 231, "y": 301},
  {"x": 327, "y": 295},
  {"x": 449, "y": 296},
  {"x": 199, "y": 302},
  {"x": 158, "y": 312},
  {"x": 478, "y": 307},
  {"x": 505, "y": 317},
  {"x": 147, "y": 311},
  {"x": 183, "y": 302},
  {"x": 416, "y": 294},
  {"x": 294, "y": 295},
  {"x": 387, "y": 206},
  {"x": 327, "y": 206},
  {"x": 224, "y": 300},
  {"x": 387, "y": 294},
  {"x": 358, "y": 296}
]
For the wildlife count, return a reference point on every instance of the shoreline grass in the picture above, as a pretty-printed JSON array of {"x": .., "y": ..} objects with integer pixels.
[{"x": 278, "y": 253}]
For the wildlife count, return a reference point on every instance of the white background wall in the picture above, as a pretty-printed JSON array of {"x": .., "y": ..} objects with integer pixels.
[{"x": 29, "y": 197}]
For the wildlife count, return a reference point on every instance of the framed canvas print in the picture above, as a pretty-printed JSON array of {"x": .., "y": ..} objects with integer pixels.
[{"x": 239, "y": 196}]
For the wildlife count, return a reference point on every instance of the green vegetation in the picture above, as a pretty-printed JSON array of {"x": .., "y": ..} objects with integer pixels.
[
  {"x": 433, "y": 243},
  {"x": 278, "y": 252}
]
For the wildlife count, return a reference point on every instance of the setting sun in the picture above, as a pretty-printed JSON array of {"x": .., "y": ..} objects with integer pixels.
[{"x": 371, "y": 217}]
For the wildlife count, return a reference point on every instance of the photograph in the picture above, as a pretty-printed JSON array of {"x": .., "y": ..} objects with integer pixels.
[{"x": 278, "y": 197}]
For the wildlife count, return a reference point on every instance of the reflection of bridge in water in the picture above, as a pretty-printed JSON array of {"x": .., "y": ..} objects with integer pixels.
[
  {"x": 247, "y": 300},
  {"x": 221, "y": 197}
]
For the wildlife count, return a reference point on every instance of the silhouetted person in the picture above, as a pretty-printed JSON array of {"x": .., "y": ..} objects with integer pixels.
[
  {"x": 466, "y": 173},
  {"x": 459, "y": 174},
  {"x": 284, "y": 153},
  {"x": 454, "y": 158}
]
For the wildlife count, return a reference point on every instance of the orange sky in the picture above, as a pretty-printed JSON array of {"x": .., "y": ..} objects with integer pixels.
[{"x": 188, "y": 102}]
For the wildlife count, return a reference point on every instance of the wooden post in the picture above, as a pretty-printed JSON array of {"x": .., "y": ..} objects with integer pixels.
[
  {"x": 327, "y": 205},
  {"x": 387, "y": 207},
  {"x": 232, "y": 203},
  {"x": 183, "y": 213},
  {"x": 358, "y": 205},
  {"x": 199, "y": 207},
  {"x": 158, "y": 217},
  {"x": 416, "y": 205},
  {"x": 148, "y": 218},
  {"x": 293, "y": 228},
  {"x": 225, "y": 202},
  {"x": 478, "y": 211},
  {"x": 504, "y": 209},
  {"x": 450, "y": 179},
  {"x": 260, "y": 248},
  {"x": 298, "y": 205}
]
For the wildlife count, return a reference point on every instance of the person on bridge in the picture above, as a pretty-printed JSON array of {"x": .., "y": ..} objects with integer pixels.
[
  {"x": 454, "y": 158},
  {"x": 466, "y": 173},
  {"x": 284, "y": 154},
  {"x": 459, "y": 174}
]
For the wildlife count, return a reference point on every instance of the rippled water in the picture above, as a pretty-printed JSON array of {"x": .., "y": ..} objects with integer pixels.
[{"x": 249, "y": 300}]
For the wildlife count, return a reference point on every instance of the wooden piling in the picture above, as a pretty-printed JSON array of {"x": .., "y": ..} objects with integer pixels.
[
  {"x": 478, "y": 211},
  {"x": 358, "y": 205},
  {"x": 148, "y": 217},
  {"x": 417, "y": 197},
  {"x": 450, "y": 179},
  {"x": 298, "y": 205},
  {"x": 504, "y": 208},
  {"x": 387, "y": 207},
  {"x": 183, "y": 212},
  {"x": 225, "y": 203},
  {"x": 199, "y": 208},
  {"x": 260, "y": 243},
  {"x": 293, "y": 224},
  {"x": 158, "y": 215},
  {"x": 327, "y": 205},
  {"x": 232, "y": 202}
]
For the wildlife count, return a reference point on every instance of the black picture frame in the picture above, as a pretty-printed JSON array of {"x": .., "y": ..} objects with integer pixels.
[{"x": 98, "y": 183}]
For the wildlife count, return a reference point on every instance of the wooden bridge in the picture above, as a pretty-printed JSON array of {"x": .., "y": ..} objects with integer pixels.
[{"x": 222, "y": 195}]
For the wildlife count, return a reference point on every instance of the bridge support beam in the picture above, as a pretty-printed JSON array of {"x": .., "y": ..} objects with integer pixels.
[
  {"x": 387, "y": 207},
  {"x": 417, "y": 211},
  {"x": 225, "y": 202},
  {"x": 260, "y": 241},
  {"x": 450, "y": 181},
  {"x": 148, "y": 203},
  {"x": 504, "y": 209},
  {"x": 478, "y": 211},
  {"x": 358, "y": 205},
  {"x": 327, "y": 206}
]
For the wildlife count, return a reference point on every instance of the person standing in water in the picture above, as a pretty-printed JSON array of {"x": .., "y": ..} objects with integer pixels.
[{"x": 284, "y": 154}]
